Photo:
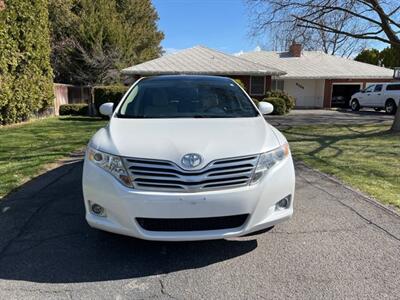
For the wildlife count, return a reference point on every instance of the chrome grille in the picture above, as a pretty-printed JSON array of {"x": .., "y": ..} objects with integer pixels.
[{"x": 163, "y": 175}]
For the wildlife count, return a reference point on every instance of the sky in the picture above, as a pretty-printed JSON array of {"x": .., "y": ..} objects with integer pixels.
[{"x": 218, "y": 24}]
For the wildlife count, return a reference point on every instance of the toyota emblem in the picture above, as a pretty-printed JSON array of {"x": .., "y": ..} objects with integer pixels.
[{"x": 191, "y": 160}]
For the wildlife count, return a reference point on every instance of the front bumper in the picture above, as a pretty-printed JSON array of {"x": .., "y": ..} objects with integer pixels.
[{"x": 123, "y": 205}]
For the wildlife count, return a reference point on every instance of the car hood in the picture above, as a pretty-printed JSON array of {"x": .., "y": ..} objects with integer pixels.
[{"x": 170, "y": 139}]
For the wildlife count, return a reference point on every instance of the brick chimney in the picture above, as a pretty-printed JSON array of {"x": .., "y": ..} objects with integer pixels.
[{"x": 295, "y": 49}]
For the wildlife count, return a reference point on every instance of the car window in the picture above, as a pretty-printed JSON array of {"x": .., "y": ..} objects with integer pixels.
[
  {"x": 378, "y": 88},
  {"x": 370, "y": 89},
  {"x": 186, "y": 98},
  {"x": 393, "y": 87}
]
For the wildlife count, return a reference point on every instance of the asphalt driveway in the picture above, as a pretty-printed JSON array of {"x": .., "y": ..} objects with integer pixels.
[{"x": 338, "y": 245}]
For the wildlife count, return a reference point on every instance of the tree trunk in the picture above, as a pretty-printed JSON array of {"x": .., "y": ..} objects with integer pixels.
[{"x": 396, "y": 122}]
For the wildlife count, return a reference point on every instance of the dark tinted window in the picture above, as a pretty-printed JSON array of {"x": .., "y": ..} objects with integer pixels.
[
  {"x": 378, "y": 88},
  {"x": 393, "y": 87},
  {"x": 186, "y": 98}
]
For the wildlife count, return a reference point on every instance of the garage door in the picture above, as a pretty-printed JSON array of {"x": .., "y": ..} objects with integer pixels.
[{"x": 341, "y": 94}]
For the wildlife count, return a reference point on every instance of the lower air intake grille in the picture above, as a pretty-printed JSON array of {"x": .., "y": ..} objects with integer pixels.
[{"x": 192, "y": 224}]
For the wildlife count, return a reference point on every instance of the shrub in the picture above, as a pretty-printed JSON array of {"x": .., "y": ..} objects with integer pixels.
[
  {"x": 279, "y": 105},
  {"x": 104, "y": 94},
  {"x": 240, "y": 83},
  {"x": 255, "y": 101},
  {"x": 74, "y": 109},
  {"x": 26, "y": 77},
  {"x": 289, "y": 100}
]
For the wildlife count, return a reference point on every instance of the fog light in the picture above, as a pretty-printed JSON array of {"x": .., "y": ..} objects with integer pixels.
[
  {"x": 283, "y": 203},
  {"x": 97, "y": 209}
]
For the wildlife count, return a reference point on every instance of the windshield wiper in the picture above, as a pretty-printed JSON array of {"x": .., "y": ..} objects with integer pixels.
[
  {"x": 211, "y": 116},
  {"x": 130, "y": 116},
  {"x": 199, "y": 116}
]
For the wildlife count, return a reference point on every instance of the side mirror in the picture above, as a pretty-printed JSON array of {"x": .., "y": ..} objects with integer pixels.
[
  {"x": 362, "y": 91},
  {"x": 265, "y": 108},
  {"x": 106, "y": 109}
]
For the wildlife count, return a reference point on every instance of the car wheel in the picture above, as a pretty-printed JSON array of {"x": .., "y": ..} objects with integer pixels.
[
  {"x": 390, "y": 107},
  {"x": 355, "y": 106},
  {"x": 377, "y": 109}
]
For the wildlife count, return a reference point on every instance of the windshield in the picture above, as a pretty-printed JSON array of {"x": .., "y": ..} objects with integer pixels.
[{"x": 186, "y": 98}]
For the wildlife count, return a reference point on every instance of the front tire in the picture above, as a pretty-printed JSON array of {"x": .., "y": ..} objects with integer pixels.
[
  {"x": 390, "y": 107},
  {"x": 355, "y": 106}
]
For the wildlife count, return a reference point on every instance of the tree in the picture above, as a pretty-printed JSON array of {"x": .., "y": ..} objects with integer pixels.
[
  {"x": 93, "y": 40},
  {"x": 285, "y": 30},
  {"x": 388, "y": 57},
  {"x": 63, "y": 23},
  {"x": 141, "y": 32},
  {"x": 376, "y": 20},
  {"x": 369, "y": 56},
  {"x": 26, "y": 79}
]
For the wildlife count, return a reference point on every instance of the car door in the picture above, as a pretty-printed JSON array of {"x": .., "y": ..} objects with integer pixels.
[
  {"x": 392, "y": 91},
  {"x": 377, "y": 96},
  {"x": 367, "y": 95}
]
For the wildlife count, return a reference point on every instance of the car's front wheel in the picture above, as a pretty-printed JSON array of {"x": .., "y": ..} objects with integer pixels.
[
  {"x": 390, "y": 107},
  {"x": 355, "y": 106}
]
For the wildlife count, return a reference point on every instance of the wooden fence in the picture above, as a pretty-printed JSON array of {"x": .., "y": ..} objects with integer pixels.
[{"x": 71, "y": 94}]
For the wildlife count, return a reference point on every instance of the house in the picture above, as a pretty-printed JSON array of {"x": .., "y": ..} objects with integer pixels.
[
  {"x": 312, "y": 77},
  {"x": 205, "y": 61}
]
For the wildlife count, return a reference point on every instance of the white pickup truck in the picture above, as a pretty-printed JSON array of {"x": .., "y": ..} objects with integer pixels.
[{"x": 378, "y": 96}]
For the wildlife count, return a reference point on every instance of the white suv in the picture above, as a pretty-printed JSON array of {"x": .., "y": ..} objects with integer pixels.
[
  {"x": 378, "y": 96},
  {"x": 187, "y": 158}
]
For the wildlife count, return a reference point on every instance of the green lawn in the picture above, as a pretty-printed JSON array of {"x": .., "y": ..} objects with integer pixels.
[
  {"x": 366, "y": 157},
  {"x": 26, "y": 149}
]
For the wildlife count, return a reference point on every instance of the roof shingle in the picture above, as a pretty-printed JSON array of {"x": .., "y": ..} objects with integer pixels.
[
  {"x": 317, "y": 65},
  {"x": 201, "y": 60}
]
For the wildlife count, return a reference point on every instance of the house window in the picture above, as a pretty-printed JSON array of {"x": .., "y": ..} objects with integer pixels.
[
  {"x": 277, "y": 84},
  {"x": 257, "y": 85}
]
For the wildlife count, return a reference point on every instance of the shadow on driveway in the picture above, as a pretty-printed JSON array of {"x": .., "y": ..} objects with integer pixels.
[{"x": 45, "y": 238}]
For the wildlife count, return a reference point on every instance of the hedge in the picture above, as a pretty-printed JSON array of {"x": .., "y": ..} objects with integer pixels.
[
  {"x": 26, "y": 76},
  {"x": 279, "y": 105},
  {"x": 240, "y": 83},
  {"x": 289, "y": 100},
  {"x": 74, "y": 109},
  {"x": 104, "y": 94},
  {"x": 256, "y": 102}
]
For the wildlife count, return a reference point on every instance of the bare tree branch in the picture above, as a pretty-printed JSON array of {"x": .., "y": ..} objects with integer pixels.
[
  {"x": 358, "y": 17},
  {"x": 336, "y": 23}
]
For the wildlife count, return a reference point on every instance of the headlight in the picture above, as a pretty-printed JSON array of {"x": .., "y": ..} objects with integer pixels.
[
  {"x": 269, "y": 159},
  {"x": 112, "y": 164}
]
